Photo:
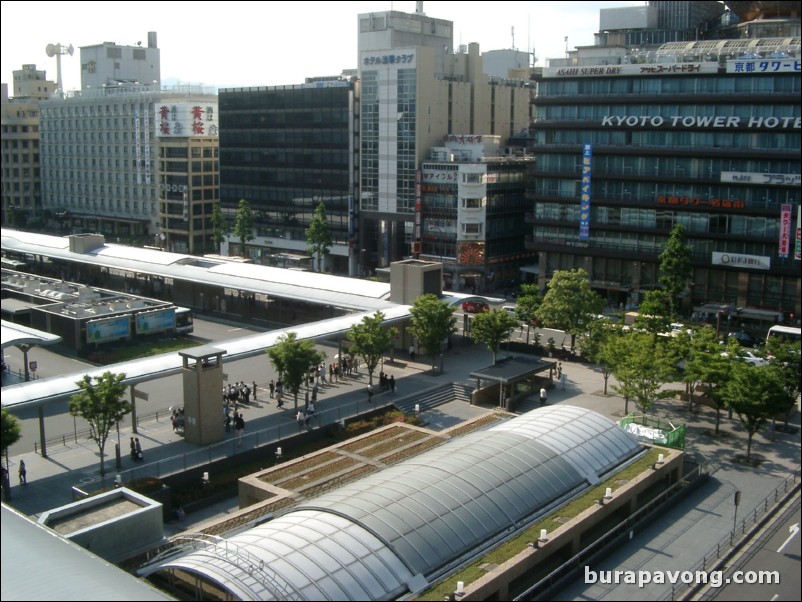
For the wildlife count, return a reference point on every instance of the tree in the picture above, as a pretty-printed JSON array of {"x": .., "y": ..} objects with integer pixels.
[
  {"x": 371, "y": 340},
  {"x": 492, "y": 329},
  {"x": 642, "y": 367},
  {"x": 785, "y": 361},
  {"x": 432, "y": 322},
  {"x": 700, "y": 357},
  {"x": 243, "y": 225},
  {"x": 675, "y": 267},
  {"x": 569, "y": 303},
  {"x": 596, "y": 345},
  {"x": 527, "y": 305},
  {"x": 318, "y": 235},
  {"x": 101, "y": 403},
  {"x": 755, "y": 394},
  {"x": 654, "y": 313},
  {"x": 10, "y": 433},
  {"x": 218, "y": 227},
  {"x": 293, "y": 359}
]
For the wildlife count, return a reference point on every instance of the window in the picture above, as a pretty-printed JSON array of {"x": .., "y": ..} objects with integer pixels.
[
  {"x": 472, "y": 203},
  {"x": 471, "y": 228}
]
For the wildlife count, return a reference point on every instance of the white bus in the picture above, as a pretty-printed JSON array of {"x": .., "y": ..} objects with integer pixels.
[{"x": 788, "y": 333}]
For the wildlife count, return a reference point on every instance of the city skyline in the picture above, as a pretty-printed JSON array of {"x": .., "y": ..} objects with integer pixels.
[{"x": 229, "y": 54}]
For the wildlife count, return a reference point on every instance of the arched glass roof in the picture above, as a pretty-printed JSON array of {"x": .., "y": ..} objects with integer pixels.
[{"x": 386, "y": 534}]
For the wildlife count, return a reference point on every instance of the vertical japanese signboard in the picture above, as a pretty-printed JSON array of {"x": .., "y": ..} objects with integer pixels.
[
  {"x": 584, "y": 196},
  {"x": 786, "y": 214}
]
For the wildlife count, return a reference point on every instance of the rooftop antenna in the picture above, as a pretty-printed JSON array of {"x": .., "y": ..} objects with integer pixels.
[
  {"x": 513, "y": 36},
  {"x": 57, "y": 50}
]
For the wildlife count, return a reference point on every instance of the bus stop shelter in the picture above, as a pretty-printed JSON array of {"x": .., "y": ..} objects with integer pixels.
[{"x": 510, "y": 379}]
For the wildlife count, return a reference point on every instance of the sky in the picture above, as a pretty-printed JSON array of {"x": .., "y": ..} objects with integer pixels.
[{"x": 232, "y": 44}]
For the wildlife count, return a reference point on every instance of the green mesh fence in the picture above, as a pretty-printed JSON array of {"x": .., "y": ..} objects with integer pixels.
[{"x": 651, "y": 429}]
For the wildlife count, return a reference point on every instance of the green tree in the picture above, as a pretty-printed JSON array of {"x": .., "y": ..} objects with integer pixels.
[
  {"x": 642, "y": 367},
  {"x": 318, "y": 235},
  {"x": 596, "y": 344},
  {"x": 569, "y": 303},
  {"x": 101, "y": 403},
  {"x": 293, "y": 359},
  {"x": 654, "y": 313},
  {"x": 218, "y": 227},
  {"x": 755, "y": 394},
  {"x": 371, "y": 340},
  {"x": 675, "y": 267},
  {"x": 433, "y": 321},
  {"x": 492, "y": 329},
  {"x": 716, "y": 372},
  {"x": 526, "y": 307},
  {"x": 10, "y": 431},
  {"x": 702, "y": 364},
  {"x": 785, "y": 361},
  {"x": 243, "y": 225}
]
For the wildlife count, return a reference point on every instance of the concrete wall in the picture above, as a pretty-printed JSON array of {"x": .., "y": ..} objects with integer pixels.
[{"x": 114, "y": 538}]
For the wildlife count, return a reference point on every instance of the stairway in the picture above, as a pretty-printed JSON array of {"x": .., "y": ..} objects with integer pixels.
[{"x": 433, "y": 397}]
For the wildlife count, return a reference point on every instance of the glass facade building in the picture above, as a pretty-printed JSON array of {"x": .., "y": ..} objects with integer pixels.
[{"x": 285, "y": 150}]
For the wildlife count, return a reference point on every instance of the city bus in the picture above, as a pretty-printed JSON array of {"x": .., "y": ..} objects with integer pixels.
[
  {"x": 183, "y": 320},
  {"x": 788, "y": 333}
]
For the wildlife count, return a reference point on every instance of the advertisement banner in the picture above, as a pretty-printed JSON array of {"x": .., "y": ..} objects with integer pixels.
[
  {"x": 149, "y": 322},
  {"x": 584, "y": 195},
  {"x": 786, "y": 213},
  {"x": 108, "y": 329}
]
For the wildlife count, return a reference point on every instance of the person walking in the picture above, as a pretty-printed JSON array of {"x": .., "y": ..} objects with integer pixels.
[
  {"x": 239, "y": 426},
  {"x": 139, "y": 455},
  {"x": 392, "y": 383},
  {"x": 133, "y": 450},
  {"x": 370, "y": 393},
  {"x": 412, "y": 352},
  {"x": 543, "y": 395},
  {"x": 23, "y": 473},
  {"x": 272, "y": 387},
  {"x": 254, "y": 391}
]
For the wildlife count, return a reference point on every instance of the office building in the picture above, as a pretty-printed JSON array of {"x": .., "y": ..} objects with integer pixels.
[
  {"x": 22, "y": 202},
  {"x": 416, "y": 90},
  {"x": 473, "y": 199},
  {"x": 286, "y": 150}
]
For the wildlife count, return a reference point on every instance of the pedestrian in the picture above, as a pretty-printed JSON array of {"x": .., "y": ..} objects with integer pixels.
[
  {"x": 310, "y": 411},
  {"x": 139, "y": 455},
  {"x": 559, "y": 370},
  {"x": 412, "y": 352},
  {"x": 392, "y": 383},
  {"x": 300, "y": 418},
  {"x": 23, "y": 473},
  {"x": 227, "y": 421},
  {"x": 254, "y": 390},
  {"x": 133, "y": 450},
  {"x": 279, "y": 399},
  {"x": 272, "y": 387},
  {"x": 543, "y": 395},
  {"x": 239, "y": 426},
  {"x": 370, "y": 393}
]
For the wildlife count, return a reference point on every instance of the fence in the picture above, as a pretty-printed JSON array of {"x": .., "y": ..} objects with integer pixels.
[
  {"x": 655, "y": 431},
  {"x": 231, "y": 447},
  {"x": 717, "y": 555}
]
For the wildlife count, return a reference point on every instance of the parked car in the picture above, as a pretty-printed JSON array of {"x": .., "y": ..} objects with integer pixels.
[
  {"x": 475, "y": 307},
  {"x": 510, "y": 309},
  {"x": 744, "y": 338},
  {"x": 750, "y": 358}
]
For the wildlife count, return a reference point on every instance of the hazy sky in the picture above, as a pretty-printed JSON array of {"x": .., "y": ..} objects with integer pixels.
[{"x": 270, "y": 43}]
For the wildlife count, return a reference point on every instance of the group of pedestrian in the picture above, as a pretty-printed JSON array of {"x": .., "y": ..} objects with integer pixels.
[
  {"x": 177, "y": 419},
  {"x": 238, "y": 393},
  {"x": 305, "y": 414},
  {"x": 386, "y": 382},
  {"x": 136, "y": 450},
  {"x": 276, "y": 389}
]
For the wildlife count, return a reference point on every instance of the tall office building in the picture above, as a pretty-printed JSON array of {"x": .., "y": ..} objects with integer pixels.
[
  {"x": 416, "y": 90},
  {"x": 21, "y": 188},
  {"x": 705, "y": 134},
  {"x": 286, "y": 150}
]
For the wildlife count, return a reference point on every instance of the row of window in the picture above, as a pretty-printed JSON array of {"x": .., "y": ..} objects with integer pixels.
[
  {"x": 696, "y": 85},
  {"x": 597, "y": 112},
  {"x": 740, "y": 140}
]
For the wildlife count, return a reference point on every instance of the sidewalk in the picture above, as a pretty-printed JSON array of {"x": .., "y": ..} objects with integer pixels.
[{"x": 673, "y": 541}]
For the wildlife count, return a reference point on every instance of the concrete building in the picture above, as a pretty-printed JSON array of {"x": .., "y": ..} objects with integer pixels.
[
  {"x": 109, "y": 64},
  {"x": 286, "y": 150},
  {"x": 104, "y": 168},
  {"x": 21, "y": 188},
  {"x": 473, "y": 198},
  {"x": 705, "y": 134},
  {"x": 415, "y": 90}
]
